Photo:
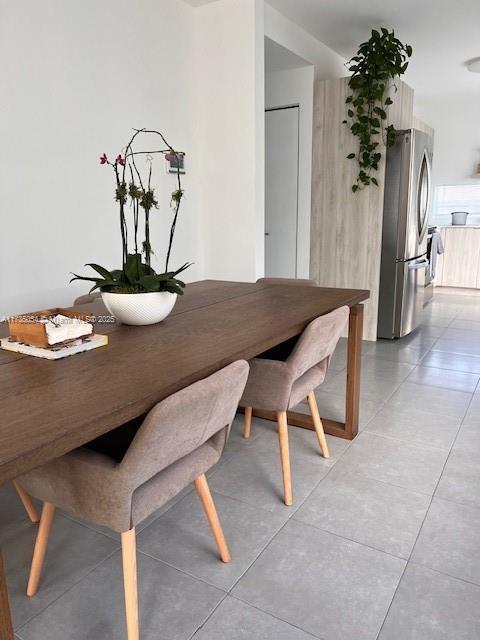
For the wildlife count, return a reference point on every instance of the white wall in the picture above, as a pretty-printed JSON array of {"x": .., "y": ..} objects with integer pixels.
[
  {"x": 287, "y": 88},
  {"x": 328, "y": 64},
  {"x": 229, "y": 123},
  {"x": 296, "y": 87},
  {"x": 76, "y": 77},
  {"x": 456, "y": 120}
]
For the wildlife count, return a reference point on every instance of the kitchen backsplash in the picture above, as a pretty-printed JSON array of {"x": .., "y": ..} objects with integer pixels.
[
  {"x": 456, "y": 198},
  {"x": 443, "y": 219}
]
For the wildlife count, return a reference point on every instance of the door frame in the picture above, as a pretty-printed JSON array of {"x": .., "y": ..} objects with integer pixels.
[
  {"x": 284, "y": 108},
  {"x": 287, "y": 88}
]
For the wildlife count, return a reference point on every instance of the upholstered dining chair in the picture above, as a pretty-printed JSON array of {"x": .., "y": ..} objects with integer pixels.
[
  {"x": 86, "y": 298},
  {"x": 121, "y": 478},
  {"x": 279, "y": 381}
]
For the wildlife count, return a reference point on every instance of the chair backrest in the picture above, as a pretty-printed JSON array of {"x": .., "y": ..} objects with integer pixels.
[
  {"x": 318, "y": 341},
  {"x": 88, "y": 297},
  {"x": 294, "y": 281},
  {"x": 184, "y": 421}
]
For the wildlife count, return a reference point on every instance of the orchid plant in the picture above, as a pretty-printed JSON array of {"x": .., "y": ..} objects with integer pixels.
[{"x": 135, "y": 189}]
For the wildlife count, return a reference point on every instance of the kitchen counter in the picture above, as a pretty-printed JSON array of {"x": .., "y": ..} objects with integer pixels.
[
  {"x": 457, "y": 226},
  {"x": 459, "y": 266}
]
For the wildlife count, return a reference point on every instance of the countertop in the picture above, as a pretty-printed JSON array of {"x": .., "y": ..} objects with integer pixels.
[{"x": 457, "y": 226}]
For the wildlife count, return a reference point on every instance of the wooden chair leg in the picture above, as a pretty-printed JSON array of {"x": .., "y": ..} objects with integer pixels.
[
  {"x": 129, "y": 560},
  {"x": 317, "y": 422},
  {"x": 40, "y": 550},
  {"x": 247, "y": 428},
  {"x": 27, "y": 502},
  {"x": 285, "y": 456},
  {"x": 203, "y": 490}
]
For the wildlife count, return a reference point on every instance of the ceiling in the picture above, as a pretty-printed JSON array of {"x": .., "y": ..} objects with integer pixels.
[
  {"x": 277, "y": 58},
  {"x": 444, "y": 34}
]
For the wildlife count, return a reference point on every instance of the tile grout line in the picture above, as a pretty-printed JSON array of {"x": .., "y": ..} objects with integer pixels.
[
  {"x": 294, "y": 511},
  {"x": 22, "y": 626},
  {"x": 207, "y": 618},
  {"x": 361, "y": 544},
  {"x": 444, "y": 573},
  {"x": 249, "y": 604},
  {"x": 409, "y": 560}
]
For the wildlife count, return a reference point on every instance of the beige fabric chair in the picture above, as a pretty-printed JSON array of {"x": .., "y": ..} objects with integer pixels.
[
  {"x": 88, "y": 297},
  {"x": 277, "y": 382},
  {"x": 23, "y": 495},
  {"x": 178, "y": 441},
  {"x": 299, "y": 281}
]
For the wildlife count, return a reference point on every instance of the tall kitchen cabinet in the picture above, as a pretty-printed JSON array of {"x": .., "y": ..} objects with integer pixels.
[{"x": 346, "y": 227}]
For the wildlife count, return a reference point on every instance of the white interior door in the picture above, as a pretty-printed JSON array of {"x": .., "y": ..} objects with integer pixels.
[{"x": 281, "y": 192}]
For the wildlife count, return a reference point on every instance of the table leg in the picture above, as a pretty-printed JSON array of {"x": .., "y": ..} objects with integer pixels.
[
  {"x": 6, "y": 627},
  {"x": 354, "y": 363},
  {"x": 349, "y": 428}
]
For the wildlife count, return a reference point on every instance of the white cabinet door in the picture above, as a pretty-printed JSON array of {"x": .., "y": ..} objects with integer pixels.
[
  {"x": 462, "y": 257},
  {"x": 281, "y": 192}
]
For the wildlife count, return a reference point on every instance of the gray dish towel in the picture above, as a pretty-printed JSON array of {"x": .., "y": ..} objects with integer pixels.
[{"x": 436, "y": 250}]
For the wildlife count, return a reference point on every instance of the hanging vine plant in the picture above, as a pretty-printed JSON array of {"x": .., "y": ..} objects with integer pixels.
[{"x": 378, "y": 62}]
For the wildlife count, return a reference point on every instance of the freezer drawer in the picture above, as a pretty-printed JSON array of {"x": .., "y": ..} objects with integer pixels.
[{"x": 411, "y": 276}]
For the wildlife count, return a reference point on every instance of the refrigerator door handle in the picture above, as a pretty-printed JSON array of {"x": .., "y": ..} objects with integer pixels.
[{"x": 421, "y": 264}]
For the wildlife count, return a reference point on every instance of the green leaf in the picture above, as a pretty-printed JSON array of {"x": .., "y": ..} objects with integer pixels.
[
  {"x": 351, "y": 156},
  {"x": 182, "y": 268},
  {"x": 354, "y": 188},
  {"x": 375, "y": 181},
  {"x": 101, "y": 270},
  {"x": 173, "y": 288},
  {"x": 150, "y": 282},
  {"x": 86, "y": 278},
  {"x": 103, "y": 284},
  {"x": 132, "y": 267},
  {"x": 380, "y": 112}
]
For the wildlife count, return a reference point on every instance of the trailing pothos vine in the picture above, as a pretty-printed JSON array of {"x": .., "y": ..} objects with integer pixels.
[{"x": 378, "y": 62}]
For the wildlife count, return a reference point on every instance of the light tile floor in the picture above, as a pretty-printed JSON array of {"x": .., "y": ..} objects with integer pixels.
[{"x": 381, "y": 543}]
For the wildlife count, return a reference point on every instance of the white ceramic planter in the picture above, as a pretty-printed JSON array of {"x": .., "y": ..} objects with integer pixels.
[{"x": 139, "y": 308}]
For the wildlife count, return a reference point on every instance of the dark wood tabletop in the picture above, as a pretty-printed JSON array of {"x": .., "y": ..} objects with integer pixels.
[{"x": 51, "y": 407}]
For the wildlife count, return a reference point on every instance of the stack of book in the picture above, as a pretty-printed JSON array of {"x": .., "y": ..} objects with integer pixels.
[{"x": 52, "y": 334}]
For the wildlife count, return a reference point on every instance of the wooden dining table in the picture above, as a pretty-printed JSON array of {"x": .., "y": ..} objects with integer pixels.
[{"x": 49, "y": 408}]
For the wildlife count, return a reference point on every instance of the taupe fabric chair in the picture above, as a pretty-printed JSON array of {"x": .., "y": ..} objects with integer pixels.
[
  {"x": 178, "y": 441},
  {"x": 23, "y": 495},
  {"x": 279, "y": 382},
  {"x": 299, "y": 281},
  {"x": 88, "y": 297}
]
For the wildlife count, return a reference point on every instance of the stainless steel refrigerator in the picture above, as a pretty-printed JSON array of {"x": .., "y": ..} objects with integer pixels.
[{"x": 404, "y": 235}]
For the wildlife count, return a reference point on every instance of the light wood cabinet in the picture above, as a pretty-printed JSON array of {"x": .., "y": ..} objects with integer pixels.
[
  {"x": 346, "y": 227},
  {"x": 460, "y": 264}
]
